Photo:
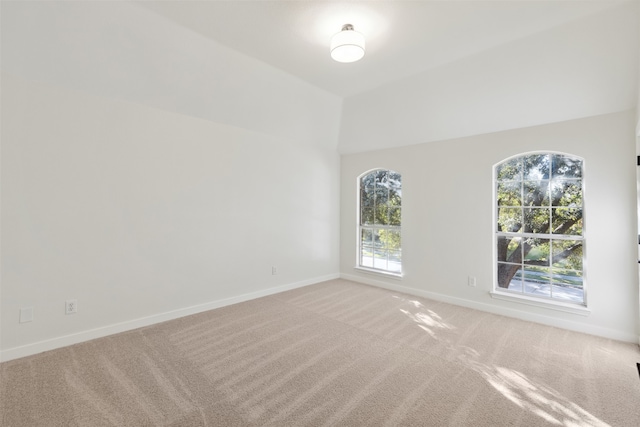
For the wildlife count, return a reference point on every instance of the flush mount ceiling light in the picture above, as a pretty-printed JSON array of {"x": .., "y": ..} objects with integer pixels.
[{"x": 347, "y": 45}]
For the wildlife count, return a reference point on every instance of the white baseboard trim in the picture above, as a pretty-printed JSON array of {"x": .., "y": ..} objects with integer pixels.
[
  {"x": 63, "y": 341},
  {"x": 503, "y": 311}
]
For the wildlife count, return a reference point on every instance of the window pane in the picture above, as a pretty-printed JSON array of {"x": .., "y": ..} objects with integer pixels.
[
  {"x": 382, "y": 196},
  {"x": 366, "y": 237},
  {"x": 515, "y": 284},
  {"x": 567, "y": 285},
  {"x": 378, "y": 242},
  {"x": 567, "y": 254},
  {"x": 395, "y": 216},
  {"x": 395, "y": 197},
  {"x": 390, "y": 239},
  {"x": 509, "y": 193},
  {"x": 367, "y": 216},
  {"x": 538, "y": 251},
  {"x": 567, "y": 221},
  {"x": 536, "y": 193},
  {"x": 509, "y": 219},
  {"x": 536, "y": 167},
  {"x": 395, "y": 261},
  {"x": 395, "y": 181},
  {"x": 368, "y": 181},
  {"x": 510, "y": 276},
  {"x": 567, "y": 277},
  {"x": 506, "y": 248},
  {"x": 509, "y": 170},
  {"x": 536, "y": 220},
  {"x": 537, "y": 281},
  {"x": 366, "y": 197},
  {"x": 565, "y": 166},
  {"x": 567, "y": 293},
  {"x": 566, "y": 193},
  {"x": 382, "y": 215},
  {"x": 381, "y": 178},
  {"x": 380, "y": 259},
  {"x": 366, "y": 256}
]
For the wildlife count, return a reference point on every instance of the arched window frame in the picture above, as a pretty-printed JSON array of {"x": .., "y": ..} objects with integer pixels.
[
  {"x": 559, "y": 274},
  {"x": 379, "y": 246}
]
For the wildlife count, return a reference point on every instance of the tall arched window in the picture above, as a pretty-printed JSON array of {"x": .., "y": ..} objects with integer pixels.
[
  {"x": 380, "y": 215},
  {"x": 540, "y": 227}
]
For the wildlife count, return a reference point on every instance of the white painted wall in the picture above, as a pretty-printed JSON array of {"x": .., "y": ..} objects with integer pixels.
[
  {"x": 150, "y": 173},
  {"x": 138, "y": 212},
  {"x": 447, "y": 218},
  {"x": 581, "y": 69}
]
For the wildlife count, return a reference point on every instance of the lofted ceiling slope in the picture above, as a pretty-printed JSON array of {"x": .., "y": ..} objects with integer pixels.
[
  {"x": 434, "y": 70},
  {"x": 403, "y": 37}
]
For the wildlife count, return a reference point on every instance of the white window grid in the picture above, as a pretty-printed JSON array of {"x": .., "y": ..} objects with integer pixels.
[
  {"x": 388, "y": 263},
  {"x": 542, "y": 236}
]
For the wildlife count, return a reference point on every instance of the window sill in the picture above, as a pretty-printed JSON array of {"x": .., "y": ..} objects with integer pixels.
[
  {"x": 397, "y": 276},
  {"x": 537, "y": 302}
]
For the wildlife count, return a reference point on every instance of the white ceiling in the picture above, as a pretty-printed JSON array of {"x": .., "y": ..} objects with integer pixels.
[
  {"x": 403, "y": 37},
  {"x": 433, "y": 71}
]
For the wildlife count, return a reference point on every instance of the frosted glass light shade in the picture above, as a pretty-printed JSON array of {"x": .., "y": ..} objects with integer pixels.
[{"x": 347, "y": 45}]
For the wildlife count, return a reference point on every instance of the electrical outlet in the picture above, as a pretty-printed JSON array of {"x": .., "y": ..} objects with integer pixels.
[
  {"x": 274, "y": 270},
  {"x": 471, "y": 281},
  {"x": 71, "y": 306}
]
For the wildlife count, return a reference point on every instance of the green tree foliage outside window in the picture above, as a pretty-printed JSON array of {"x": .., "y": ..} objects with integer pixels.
[
  {"x": 380, "y": 219},
  {"x": 539, "y": 226}
]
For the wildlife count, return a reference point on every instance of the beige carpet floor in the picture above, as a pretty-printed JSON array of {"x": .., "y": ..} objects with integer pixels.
[{"x": 332, "y": 354}]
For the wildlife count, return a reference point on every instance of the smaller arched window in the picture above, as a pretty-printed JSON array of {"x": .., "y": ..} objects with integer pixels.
[
  {"x": 540, "y": 226},
  {"x": 379, "y": 221}
]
